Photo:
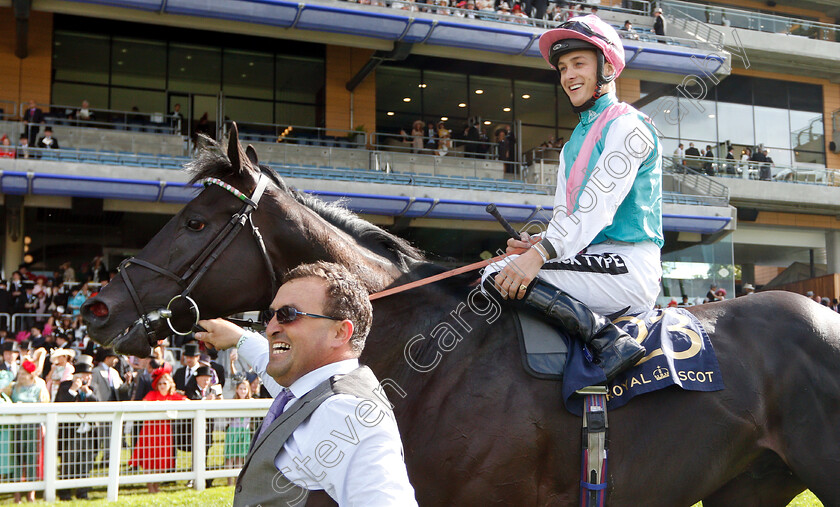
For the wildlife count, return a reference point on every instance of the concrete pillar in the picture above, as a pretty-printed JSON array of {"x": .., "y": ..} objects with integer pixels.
[
  {"x": 832, "y": 251},
  {"x": 13, "y": 255}
]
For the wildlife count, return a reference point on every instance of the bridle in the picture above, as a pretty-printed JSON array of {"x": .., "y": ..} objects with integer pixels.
[{"x": 202, "y": 262}]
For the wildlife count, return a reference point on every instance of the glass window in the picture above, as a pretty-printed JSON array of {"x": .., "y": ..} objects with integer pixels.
[
  {"x": 444, "y": 94},
  {"x": 809, "y": 157},
  {"x": 71, "y": 94},
  {"x": 535, "y": 136},
  {"x": 698, "y": 119},
  {"x": 148, "y": 102},
  {"x": 138, "y": 63},
  {"x": 770, "y": 93},
  {"x": 194, "y": 69},
  {"x": 489, "y": 96},
  {"x": 664, "y": 112},
  {"x": 534, "y": 103},
  {"x": 735, "y": 124},
  {"x": 299, "y": 79},
  {"x": 247, "y": 111},
  {"x": 806, "y": 97},
  {"x": 806, "y": 131},
  {"x": 772, "y": 127},
  {"x": 248, "y": 74},
  {"x": 81, "y": 57},
  {"x": 735, "y": 89},
  {"x": 295, "y": 114},
  {"x": 393, "y": 86},
  {"x": 690, "y": 271}
]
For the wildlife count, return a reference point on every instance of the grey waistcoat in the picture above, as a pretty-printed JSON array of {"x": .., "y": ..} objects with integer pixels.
[{"x": 260, "y": 483}]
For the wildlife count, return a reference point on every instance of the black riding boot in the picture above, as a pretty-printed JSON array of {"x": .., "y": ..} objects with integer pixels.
[{"x": 614, "y": 349}]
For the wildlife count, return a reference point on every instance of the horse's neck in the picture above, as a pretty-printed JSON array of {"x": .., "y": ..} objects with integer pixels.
[{"x": 323, "y": 241}]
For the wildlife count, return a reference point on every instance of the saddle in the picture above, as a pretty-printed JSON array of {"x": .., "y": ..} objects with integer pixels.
[
  {"x": 544, "y": 347},
  {"x": 679, "y": 352}
]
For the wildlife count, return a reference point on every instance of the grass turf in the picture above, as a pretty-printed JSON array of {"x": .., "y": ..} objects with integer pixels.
[{"x": 177, "y": 494}]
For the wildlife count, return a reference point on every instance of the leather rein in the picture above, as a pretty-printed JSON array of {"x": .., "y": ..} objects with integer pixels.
[{"x": 202, "y": 262}]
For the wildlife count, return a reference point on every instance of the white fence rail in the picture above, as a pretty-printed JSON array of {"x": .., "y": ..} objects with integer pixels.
[{"x": 59, "y": 446}]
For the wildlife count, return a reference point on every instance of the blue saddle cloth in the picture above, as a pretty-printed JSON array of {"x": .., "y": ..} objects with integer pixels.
[{"x": 679, "y": 353}]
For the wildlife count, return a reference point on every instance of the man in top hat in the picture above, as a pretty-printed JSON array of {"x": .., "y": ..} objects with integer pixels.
[
  {"x": 200, "y": 386},
  {"x": 11, "y": 357},
  {"x": 77, "y": 442},
  {"x": 186, "y": 372}
]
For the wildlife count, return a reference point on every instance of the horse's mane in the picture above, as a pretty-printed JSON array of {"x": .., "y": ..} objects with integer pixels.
[{"x": 213, "y": 162}]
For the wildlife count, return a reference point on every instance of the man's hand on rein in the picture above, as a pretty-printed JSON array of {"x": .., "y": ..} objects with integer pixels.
[{"x": 219, "y": 333}]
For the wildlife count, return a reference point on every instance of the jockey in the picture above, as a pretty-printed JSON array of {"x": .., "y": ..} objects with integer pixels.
[{"x": 600, "y": 253}]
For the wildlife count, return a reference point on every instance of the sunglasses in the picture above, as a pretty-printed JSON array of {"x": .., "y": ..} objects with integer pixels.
[{"x": 287, "y": 314}]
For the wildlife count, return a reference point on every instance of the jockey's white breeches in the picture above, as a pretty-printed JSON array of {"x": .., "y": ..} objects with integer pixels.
[{"x": 607, "y": 277}]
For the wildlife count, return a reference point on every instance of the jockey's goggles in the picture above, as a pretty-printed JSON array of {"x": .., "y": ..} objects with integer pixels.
[
  {"x": 581, "y": 27},
  {"x": 288, "y": 314}
]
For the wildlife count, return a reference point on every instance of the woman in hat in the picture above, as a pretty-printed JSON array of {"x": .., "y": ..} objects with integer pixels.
[
  {"x": 417, "y": 136},
  {"x": 600, "y": 253},
  {"x": 62, "y": 369},
  {"x": 154, "y": 449},
  {"x": 27, "y": 439}
]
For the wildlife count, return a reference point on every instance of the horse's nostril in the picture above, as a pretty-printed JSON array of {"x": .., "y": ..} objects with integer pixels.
[{"x": 99, "y": 309}]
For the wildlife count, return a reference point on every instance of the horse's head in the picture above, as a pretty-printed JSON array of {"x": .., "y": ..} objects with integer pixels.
[{"x": 209, "y": 252}]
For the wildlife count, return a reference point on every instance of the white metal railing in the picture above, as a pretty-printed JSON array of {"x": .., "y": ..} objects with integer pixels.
[
  {"x": 751, "y": 20},
  {"x": 753, "y": 170},
  {"x": 93, "y": 444},
  {"x": 21, "y": 316}
]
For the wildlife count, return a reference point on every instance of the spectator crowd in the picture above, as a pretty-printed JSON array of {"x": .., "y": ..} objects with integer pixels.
[{"x": 50, "y": 358}]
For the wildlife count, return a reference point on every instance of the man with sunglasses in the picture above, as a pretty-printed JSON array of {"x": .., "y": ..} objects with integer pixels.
[
  {"x": 600, "y": 253},
  {"x": 329, "y": 428}
]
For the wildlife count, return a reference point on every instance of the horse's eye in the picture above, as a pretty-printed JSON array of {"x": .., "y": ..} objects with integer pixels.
[{"x": 195, "y": 225}]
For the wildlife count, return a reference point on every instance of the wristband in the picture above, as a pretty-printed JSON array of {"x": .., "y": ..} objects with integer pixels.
[
  {"x": 541, "y": 250},
  {"x": 241, "y": 340}
]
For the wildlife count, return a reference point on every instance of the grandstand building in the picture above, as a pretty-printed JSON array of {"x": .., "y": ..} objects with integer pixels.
[{"x": 329, "y": 92}]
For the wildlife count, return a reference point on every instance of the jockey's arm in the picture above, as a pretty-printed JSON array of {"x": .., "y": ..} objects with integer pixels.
[{"x": 626, "y": 146}]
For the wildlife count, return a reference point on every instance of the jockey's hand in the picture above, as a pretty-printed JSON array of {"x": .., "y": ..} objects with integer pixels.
[
  {"x": 513, "y": 280},
  {"x": 219, "y": 333},
  {"x": 521, "y": 245}
]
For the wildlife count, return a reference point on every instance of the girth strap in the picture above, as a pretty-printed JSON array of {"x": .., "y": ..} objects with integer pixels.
[{"x": 593, "y": 483}]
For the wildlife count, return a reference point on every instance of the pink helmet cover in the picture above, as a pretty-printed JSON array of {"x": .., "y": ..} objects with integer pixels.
[{"x": 613, "y": 50}]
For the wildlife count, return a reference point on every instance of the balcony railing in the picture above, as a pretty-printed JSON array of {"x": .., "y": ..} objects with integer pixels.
[
  {"x": 751, "y": 170},
  {"x": 8, "y": 109},
  {"x": 136, "y": 121},
  {"x": 751, "y": 20}
]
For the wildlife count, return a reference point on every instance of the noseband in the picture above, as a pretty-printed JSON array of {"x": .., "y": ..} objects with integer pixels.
[{"x": 202, "y": 262}]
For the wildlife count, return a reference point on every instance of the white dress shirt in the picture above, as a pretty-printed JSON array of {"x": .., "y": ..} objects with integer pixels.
[{"x": 335, "y": 440}]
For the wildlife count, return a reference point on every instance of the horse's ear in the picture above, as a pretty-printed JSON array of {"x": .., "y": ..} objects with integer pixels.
[
  {"x": 252, "y": 155},
  {"x": 235, "y": 153}
]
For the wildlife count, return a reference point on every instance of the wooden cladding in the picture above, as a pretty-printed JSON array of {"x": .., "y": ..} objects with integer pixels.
[
  {"x": 30, "y": 78},
  {"x": 343, "y": 111}
]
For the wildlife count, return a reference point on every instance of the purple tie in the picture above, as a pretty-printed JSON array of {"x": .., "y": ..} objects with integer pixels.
[{"x": 276, "y": 409}]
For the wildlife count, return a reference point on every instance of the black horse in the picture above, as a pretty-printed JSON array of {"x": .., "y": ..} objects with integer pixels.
[{"x": 477, "y": 429}]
